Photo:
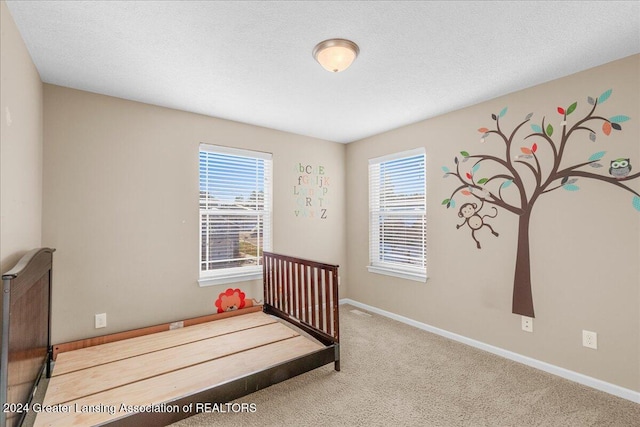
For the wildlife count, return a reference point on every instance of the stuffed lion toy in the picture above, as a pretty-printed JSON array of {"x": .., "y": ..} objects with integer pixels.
[{"x": 232, "y": 299}]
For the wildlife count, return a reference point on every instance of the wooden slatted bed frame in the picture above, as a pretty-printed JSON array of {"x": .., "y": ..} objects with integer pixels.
[{"x": 159, "y": 375}]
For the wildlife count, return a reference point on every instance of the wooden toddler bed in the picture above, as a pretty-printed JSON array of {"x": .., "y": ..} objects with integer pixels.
[{"x": 142, "y": 378}]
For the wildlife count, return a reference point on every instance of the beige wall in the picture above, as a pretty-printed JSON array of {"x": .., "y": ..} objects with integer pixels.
[
  {"x": 20, "y": 146},
  {"x": 584, "y": 244},
  {"x": 121, "y": 208}
]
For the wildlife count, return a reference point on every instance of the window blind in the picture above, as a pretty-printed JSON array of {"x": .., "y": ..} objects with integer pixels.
[
  {"x": 397, "y": 207},
  {"x": 235, "y": 210}
]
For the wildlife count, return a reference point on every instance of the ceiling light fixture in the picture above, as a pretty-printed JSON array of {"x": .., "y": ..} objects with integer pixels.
[{"x": 336, "y": 55}]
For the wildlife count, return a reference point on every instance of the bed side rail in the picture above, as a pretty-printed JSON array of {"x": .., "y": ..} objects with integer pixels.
[{"x": 304, "y": 292}]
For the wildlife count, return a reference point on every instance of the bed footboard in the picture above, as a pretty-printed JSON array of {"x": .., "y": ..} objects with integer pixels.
[
  {"x": 304, "y": 293},
  {"x": 26, "y": 332}
]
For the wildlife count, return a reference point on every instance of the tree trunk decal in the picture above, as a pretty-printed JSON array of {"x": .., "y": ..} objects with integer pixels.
[
  {"x": 480, "y": 190},
  {"x": 522, "y": 296}
]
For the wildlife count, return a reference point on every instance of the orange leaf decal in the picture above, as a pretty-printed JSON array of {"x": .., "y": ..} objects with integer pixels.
[
  {"x": 525, "y": 150},
  {"x": 483, "y": 130},
  {"x": 466, "y": 192},
  {"x": 606, "y": 128},
  {"x": 534, "y": 148}
]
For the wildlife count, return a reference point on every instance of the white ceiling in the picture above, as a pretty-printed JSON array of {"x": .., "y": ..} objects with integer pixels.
[{"x": 251, "y": 61}]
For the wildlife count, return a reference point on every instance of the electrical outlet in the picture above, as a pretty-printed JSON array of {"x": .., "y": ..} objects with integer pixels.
[
  {"x": 527, "y": 324},
  {"x": 101, "y": 320},
  {"x": 590, "y": 339},
  {"x": 176, "y": 325}
]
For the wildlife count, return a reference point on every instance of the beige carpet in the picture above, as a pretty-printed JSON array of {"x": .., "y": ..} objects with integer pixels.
[{"x": 396, "y": 375}]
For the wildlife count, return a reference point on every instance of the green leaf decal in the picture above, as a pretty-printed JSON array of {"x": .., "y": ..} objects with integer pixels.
[
  {"x": 571, "y": 187},
  {"x": 446, "y": 201},
  {"x": 506, "y": 183},
  {"x": 536, "y": 128},
  {"x": 618, "y": 119},
  {"x": 464, "y": 154},
  {"x": 483, "y": 181},
  {"x": 597, "y": 156},
  {"x": 549, "y": 130},
  {"x": 572, "y": 108},
  {"x": 604, "y": 96},
  {"x": 636, "y": 203},
  {"x": 503, "y": 112}
]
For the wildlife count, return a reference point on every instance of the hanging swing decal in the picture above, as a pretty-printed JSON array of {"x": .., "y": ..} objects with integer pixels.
[{"x": 476, "y": 190}]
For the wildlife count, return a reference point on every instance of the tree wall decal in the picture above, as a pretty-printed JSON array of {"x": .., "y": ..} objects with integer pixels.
[{"x": 532, "y": 179}]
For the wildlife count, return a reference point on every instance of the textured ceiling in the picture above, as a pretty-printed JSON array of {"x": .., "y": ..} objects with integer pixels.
[{"x": 251, "y": 61}]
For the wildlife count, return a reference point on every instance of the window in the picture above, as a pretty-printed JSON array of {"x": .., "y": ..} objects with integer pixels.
[
  {"x": 235, "y": 214},
  {"x": 397, "y": 215}
]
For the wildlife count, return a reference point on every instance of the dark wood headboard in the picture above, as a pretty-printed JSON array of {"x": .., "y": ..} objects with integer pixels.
[{"x": 26, "y": 332}]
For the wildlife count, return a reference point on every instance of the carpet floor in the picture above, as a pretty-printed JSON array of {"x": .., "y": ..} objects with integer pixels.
[{"x": 394, "y": 374}]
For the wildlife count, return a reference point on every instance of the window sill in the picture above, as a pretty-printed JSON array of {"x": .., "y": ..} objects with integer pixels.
[
  {"x": 409, "y": 275},
  {"x": 230, "y": 277}
]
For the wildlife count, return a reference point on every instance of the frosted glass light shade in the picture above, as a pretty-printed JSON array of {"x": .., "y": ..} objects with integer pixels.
[{"x": 336, "y": 55}]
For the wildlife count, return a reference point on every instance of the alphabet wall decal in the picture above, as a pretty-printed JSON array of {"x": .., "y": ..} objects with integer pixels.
[
  {"x": 311, "y": 191},
  {"x": 492, "y": 188}
]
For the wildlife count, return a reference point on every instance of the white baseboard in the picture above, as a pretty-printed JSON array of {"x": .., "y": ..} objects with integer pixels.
[{"x": 595, "y": 383}]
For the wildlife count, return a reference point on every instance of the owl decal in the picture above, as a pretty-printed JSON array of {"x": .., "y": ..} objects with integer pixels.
[{"x": 620, "y": 168}]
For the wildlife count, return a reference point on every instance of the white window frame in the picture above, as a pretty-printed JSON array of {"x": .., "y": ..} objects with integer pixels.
[
  {"x": 244, "y": 273},
  {"x": 381, "y": 206}
]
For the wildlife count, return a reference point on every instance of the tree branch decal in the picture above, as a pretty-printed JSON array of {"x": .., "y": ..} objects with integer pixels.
[{"x": 490, "y": 189}]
